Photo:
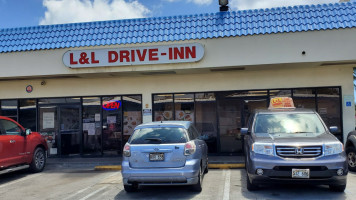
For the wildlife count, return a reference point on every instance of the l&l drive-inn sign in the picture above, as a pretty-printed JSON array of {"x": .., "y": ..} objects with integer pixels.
[{"x": 178, "y": 53}]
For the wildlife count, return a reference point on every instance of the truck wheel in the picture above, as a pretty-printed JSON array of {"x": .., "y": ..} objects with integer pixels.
[
  {"x": 351, "y": 158},
  {"x": 337, "y": 188},
  {"x": 38, "y": 160},
  {"x": 249, "y": 185},
  {"x": 131, "y": 188},
  {"x": 198, "y": 187}
]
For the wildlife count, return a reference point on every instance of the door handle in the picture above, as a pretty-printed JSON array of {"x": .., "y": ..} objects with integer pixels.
[{"x": 12, "y": 141}]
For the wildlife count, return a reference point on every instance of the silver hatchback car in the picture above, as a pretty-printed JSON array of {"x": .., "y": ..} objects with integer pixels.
[{"x": 164, "y": 153}]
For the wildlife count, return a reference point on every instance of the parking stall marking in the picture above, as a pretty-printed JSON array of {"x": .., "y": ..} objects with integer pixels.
[
  {"x": 227, "y": 185},
  {"x": 93, "y": 193}
]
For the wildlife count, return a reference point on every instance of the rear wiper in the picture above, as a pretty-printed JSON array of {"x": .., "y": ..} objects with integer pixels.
[{"x": 154, "y": 139}]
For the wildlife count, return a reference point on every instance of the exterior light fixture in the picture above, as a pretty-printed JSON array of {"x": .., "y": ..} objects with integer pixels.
[{"x": 223, "y": 5}]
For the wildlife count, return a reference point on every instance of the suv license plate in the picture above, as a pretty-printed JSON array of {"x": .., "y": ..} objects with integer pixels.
[
  {"x": 300, "y": 173},
  {"x": 156, "y": 156}
]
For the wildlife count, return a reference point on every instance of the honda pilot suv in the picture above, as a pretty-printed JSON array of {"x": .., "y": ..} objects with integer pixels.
[
  {"x": 288, "y": 145},
  {"x": 164, "y": 153}
]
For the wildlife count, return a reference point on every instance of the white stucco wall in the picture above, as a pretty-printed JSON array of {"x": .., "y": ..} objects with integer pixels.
[{"x": 270, "y": 61}]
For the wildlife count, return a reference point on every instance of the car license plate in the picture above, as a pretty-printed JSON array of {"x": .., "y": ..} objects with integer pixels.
[
  {"x": 156, "y": 156},
  {"x": 300, "y": 173}
]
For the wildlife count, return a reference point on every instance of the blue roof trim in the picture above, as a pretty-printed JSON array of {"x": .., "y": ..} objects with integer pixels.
[{"x": 177, "y": 28}]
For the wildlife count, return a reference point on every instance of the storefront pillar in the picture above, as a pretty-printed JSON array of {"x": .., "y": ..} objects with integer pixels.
[{"x": 147, "y": 104}]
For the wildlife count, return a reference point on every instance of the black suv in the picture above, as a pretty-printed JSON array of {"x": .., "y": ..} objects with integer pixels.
[{"x": 351, "y": 150}]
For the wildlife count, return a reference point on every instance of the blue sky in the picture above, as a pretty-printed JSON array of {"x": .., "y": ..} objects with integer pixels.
[{"x": 19, "y": 13}]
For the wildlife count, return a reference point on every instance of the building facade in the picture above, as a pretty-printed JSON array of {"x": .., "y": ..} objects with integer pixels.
[{"x": 86, "y": 86}]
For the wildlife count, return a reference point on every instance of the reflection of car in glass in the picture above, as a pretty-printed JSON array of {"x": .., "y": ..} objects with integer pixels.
[
  {"x": 289, "y": 145},
  {"x": 20, "y": 148},
  {"x": 351, "y": 150},
  {"x": 164, "y": 153}
]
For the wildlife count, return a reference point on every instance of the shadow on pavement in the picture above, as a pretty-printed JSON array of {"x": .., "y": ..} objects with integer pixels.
[{"x": 159, "y": 192}]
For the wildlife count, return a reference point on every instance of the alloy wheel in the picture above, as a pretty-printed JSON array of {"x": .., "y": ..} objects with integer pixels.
[{"x": 352, "y": 159}]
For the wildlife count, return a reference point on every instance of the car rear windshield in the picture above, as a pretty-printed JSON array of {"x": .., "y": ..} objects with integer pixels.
[
  {"x": 163, "y": 135},
  {"x": 307, "y": 124}
]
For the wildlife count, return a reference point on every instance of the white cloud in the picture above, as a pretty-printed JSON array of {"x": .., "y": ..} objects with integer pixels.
[
  {"x": 69, "y": 11},
  {"x": 256, "y": 4},
  {"x": 201, "y": 2}
]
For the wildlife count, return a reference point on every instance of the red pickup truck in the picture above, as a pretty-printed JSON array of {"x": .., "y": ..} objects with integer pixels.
[{"x": 20, "y": 148}]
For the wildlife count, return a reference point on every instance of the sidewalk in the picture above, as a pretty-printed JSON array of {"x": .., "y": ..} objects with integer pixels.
[{"x": 114, "y": 163}]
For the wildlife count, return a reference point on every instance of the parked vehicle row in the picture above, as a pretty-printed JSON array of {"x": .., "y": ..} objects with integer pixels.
[{"x": 282, "y": 144}]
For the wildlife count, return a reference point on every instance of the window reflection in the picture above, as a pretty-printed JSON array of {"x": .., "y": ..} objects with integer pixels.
[
  {"x": 163, "y": 107},
  {"x": 184, "y": 107},
  {"x": 9, "y": 109},
  {"x": 132, "y": 106},
  {"x": 27, "y": 115},
  {"x": 91, "y": 125},
  {"x": 304, "y": 98}
]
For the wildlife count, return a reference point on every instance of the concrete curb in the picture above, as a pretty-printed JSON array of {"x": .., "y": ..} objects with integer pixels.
[{"x": 211, "y": 166}]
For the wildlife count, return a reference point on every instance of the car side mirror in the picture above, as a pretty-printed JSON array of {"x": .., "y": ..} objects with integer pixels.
[
  {"x": 333, "y": 129},
  {"x": 244, "y": 131},
  {"x": 28, "y": 132}
]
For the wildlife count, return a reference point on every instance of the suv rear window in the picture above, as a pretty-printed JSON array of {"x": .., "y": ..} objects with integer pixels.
[{"x": 164, "y": 135}]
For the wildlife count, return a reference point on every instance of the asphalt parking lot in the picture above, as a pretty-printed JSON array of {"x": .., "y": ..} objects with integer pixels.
[{"x": 86, "y": 183}]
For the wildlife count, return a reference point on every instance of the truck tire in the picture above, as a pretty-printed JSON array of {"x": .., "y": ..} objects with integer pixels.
[
  {"x": 38, "y": 160},
  {"x": 351, "y": 158}
]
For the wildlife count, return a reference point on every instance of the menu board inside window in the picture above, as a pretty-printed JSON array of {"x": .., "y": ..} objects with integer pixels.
[{"x": 163, "y": 107}]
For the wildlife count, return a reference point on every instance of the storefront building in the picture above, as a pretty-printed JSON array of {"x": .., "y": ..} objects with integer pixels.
[{"x": 86, "y": 86}]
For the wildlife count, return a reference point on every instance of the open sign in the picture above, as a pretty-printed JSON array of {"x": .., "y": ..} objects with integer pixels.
[{"x": 111, "y": 105}]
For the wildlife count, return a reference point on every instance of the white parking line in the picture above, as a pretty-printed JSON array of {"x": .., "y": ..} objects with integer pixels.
[
  {"x": 21, "y": 180},
  {"x": 227, "y": 185},
  {"x": 93, "y": 193}
]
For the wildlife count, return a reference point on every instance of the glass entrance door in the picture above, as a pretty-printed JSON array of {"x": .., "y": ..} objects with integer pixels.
[
  {"x": 69, "y": 129},
  {"x": 60, "y": 125},
  {"x": 229, "y": 116}
]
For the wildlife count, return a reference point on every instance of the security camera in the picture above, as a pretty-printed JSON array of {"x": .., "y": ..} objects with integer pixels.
[{"x": 43, "y": 82}]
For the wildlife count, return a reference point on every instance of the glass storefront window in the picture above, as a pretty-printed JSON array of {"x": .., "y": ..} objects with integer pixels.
[
  {"x": 112, "y": 127},
  {"x": 9, "y": 109},
  {"x": 304, "y": 98},
  {"x": 27, "y": 113},
  {"x": 328, "y": 100},
  {"x": 205, "y": 121},
  {"x": 163, "y": 107},
  {"x": 59, "y": 100},
  {"x": 91, "y": 125},
  {"x": 184, "y": 107},
  {"x": 132, "y": 106}
]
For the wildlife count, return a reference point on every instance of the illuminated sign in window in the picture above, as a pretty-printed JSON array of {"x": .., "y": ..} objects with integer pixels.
[{"x": 111, "y": 105}]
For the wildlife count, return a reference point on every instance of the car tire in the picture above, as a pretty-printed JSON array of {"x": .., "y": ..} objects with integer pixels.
[
  {"x": 38, "y": 160},
  {"x": 351, "y": 158},
  {"x": 337, "y": 188},
  {"x": 198, "y": 187},
  {"x": 131, "y": 188},
  {"x": 250, "y": 186},
  {"x": 206, "y": 170}
]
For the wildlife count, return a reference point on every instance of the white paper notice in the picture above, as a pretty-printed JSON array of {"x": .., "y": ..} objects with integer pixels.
[
  {"x": 91, "y": 128},
  {"x": 48, "y": 120},
  {"x": 97, "y": 117},
  {"x": 111, "y": 119},
  {"x": 85, "y": 126}
]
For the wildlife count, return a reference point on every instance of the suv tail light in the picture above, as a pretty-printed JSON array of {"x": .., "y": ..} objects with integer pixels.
[
  {"x": 189, "y": 148},
  {"x": 127, "y": 150}
]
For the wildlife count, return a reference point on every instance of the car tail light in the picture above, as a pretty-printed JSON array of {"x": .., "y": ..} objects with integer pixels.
[
  {"x": 189, "y": 148},
  {"x": 127, "y": 150}
]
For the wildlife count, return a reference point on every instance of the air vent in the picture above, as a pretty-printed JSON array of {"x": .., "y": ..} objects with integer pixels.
[
  {"x": 227, "y": 69},
  {"x": 158, "y": 73}
]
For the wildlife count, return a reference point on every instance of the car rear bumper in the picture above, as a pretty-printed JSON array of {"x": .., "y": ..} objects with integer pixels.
[
  {"x": 323, "y": 170},
  {"x": 187, "y": 175}
]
